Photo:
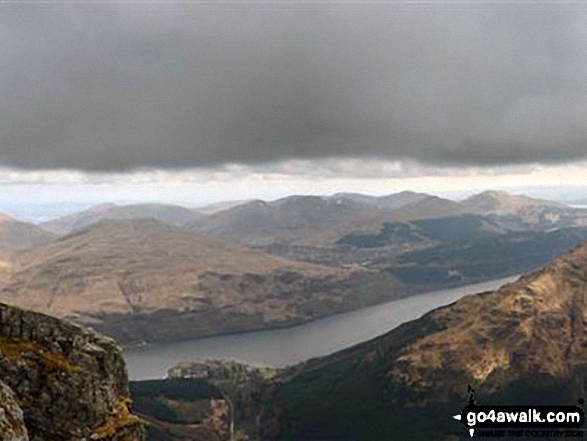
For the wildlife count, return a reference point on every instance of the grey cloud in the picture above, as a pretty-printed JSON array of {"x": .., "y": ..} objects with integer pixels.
[{"x": 119, "y": 87}]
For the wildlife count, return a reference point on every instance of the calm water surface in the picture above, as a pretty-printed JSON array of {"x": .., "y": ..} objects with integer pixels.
[{"x": 281, "y": 347}]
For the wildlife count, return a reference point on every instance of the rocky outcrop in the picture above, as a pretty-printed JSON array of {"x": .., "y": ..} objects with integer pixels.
[
  {"x": 70, "y": 382},
  {"x": 12, "y": 426}
]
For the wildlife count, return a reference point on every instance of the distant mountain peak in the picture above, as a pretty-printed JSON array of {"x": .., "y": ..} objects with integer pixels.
[
  {"x": 172, "y": 214},
  {"x": 501, "y": 201}
]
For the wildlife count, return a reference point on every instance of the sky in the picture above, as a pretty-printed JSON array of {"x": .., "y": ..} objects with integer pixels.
[{"x": 200, "y": 101}]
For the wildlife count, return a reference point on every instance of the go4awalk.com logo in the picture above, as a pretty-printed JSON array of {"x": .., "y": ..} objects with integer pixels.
[{"x": 522, "y": 421}]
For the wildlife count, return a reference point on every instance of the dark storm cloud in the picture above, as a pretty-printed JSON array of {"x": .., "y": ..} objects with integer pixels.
[{"x": 117, "y": 87}]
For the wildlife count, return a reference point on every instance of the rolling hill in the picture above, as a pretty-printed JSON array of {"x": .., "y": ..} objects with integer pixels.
[
  {"x": 388, "y": 202},
  {"x": 317, "y": 220},
  {"x": 502, "y": 202},
  {"x": 143, "y": 280},
  {"x": 292, "y": 220},
  {"x": 171, "y": 214},
  {"x": 518, "y": 212},
  {"x": 16, "y": 235}
]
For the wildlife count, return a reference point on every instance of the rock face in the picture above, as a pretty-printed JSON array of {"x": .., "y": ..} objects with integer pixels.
[
  {"x": 12, "y": 426},
  {"x": 70, "y": 382}
]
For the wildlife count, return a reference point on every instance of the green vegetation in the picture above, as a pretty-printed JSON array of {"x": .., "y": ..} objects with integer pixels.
[
  {"x": 348, "y": 400},
  {"x": 175, "y": 388},
  {"x": 466, "y": 248},
  {"x": 457, "y": 228},
  {"x": 484, "y": 257},
  {"x": 152, "y": 397},
  {"x": 446, "y": 229},
  {"x": 397, "y": 232}
]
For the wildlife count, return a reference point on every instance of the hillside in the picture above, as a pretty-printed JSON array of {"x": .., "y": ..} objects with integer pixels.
[
  {"x": 522, "y": 344},
  {"x": 61, "y": 382},
  {"x": 220, "y": 206},
  {"x": 430, "y": 207},
  {"x": 292, "y": 220},
  {"x": 16, "y": 235},
  {"x": 144, "y": 280},
  {"x": 317, "y": 220},
  {"x": 181, "y": 410},
  {"x": 388, "y": 202},
  {"x": 171, "y": 214},
  {"x": 502, "y": 202},
  {"x": 518, "y": 212}
]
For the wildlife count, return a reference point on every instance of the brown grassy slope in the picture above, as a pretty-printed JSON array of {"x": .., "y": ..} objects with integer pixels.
[
  {"x": 534, "y": 326},
  {"x": 313, "y": 220},
  {"x": 16, "y": 235},
  {"x": 120, "y": 270},
  {"x": 523, "y": 212},
  {"x": 502, "y": 202}
]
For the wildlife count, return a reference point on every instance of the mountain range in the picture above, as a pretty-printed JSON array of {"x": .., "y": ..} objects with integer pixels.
[
  {"x": 313, "y": 220},
  {"x": 159, "y": 272},
  {"x": 145, "y": 273}
]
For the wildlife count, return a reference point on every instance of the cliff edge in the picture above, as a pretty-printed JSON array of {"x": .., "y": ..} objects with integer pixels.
[{"x": 64, "y": 382}]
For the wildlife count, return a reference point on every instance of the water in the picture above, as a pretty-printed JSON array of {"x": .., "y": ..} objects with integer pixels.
[{"x": 281, "y": 347}]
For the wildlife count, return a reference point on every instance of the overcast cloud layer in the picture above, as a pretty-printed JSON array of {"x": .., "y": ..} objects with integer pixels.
[{"x": 117, "y": 87}]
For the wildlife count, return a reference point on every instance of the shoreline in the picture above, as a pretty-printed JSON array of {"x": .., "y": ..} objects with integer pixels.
[
  {"x": 302, "y": 322},
  {"x": 288, "y": 345}
]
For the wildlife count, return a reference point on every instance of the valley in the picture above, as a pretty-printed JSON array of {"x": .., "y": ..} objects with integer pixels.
[
  {"x": 335, "y": 296},
  {"x": 161, "y": 273},
  {"x": 523, "y": 343},
  {"x": 281, "y": 347}
]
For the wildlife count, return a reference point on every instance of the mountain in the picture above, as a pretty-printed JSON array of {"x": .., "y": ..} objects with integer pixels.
[
  {"x": 501, "y": 202},
  {"x": 517, "y": 212},
  {"x": 16, "y": 235},
  {"x": 461, "y": 228},
  {"x": 387, "y": 202},
  {"x": 291, "y": 220},
  {"x": 199, "y": 400},
  {"x": 524, "y": 344},
  {"x": 59, "y": 381},
  {"x": 143, "y": 280},
  {"x": 429, "y": 207},
  {"x": 401, "y": 199},
  {"x": 171, "y": 214},
  {"x": 317, "y": 220}
]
